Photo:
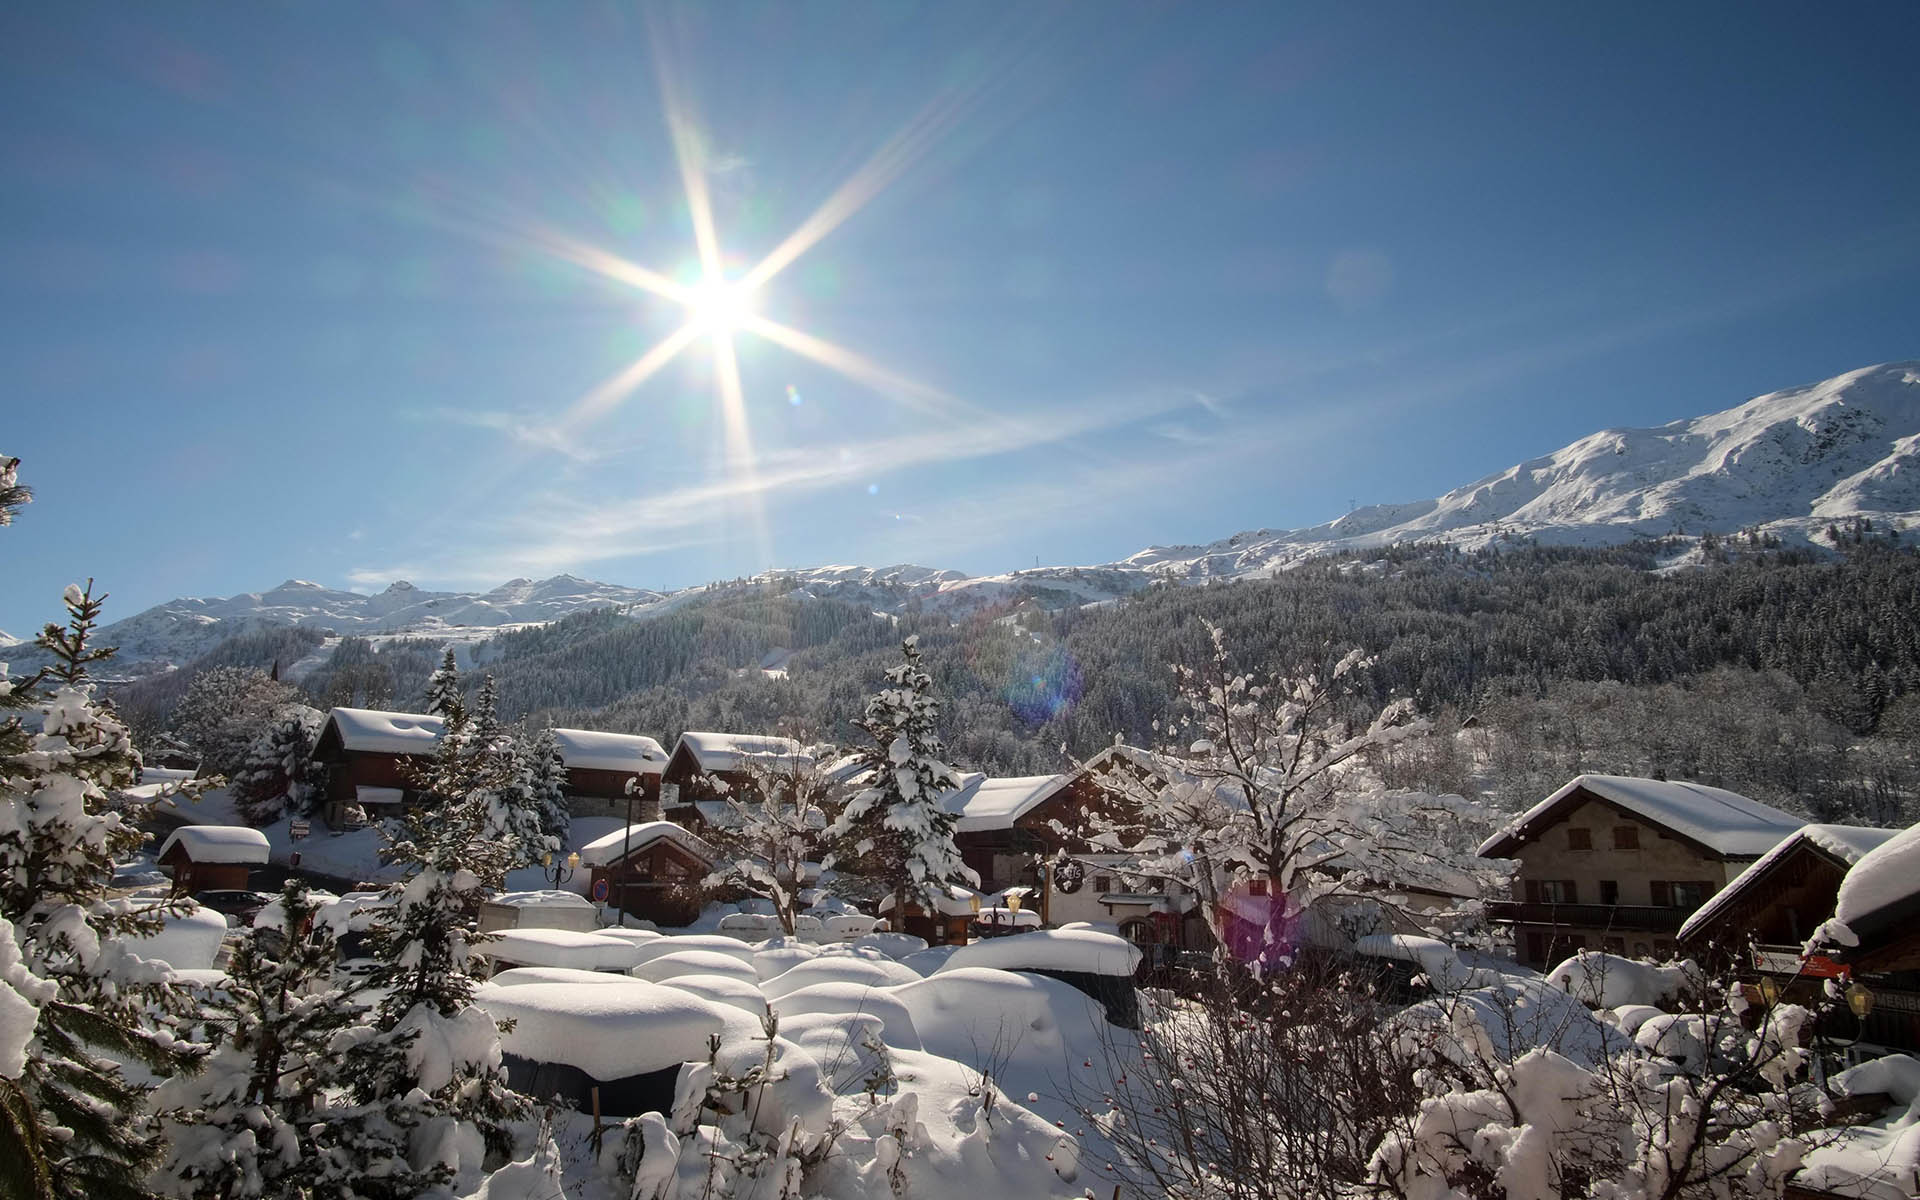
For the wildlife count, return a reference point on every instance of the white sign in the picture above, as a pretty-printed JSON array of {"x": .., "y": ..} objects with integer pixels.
[{"x": 298, "y": 829}]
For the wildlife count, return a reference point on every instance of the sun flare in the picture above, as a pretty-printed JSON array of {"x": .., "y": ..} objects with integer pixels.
[{"x": 719, "y": 307}]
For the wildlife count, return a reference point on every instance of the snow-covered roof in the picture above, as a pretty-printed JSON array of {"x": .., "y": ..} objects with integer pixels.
[
  {"x": 372, "y": 731},
  {"x": 984, "y": 803},
  {"x": 1884, "y": 877},
  {"x": 606, "y": 850},
  {"x": 1724, "y": 822},
  {"x": 592, "y": 750},
  {"x": 367, "y": 793},
  {"x": 218, "y": 843},
  {"x": 726, "y": 751},
  {"x": 1847, "y": 843}
]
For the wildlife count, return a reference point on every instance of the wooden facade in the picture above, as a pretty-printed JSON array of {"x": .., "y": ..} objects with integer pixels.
[
  {"x": 348, "y": 771},
  {"x": 659, "y": 880},
  {"x": 191, "y": 878}
]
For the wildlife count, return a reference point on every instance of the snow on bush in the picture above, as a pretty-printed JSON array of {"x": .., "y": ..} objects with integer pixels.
[{"x": 1609, "y": 981}]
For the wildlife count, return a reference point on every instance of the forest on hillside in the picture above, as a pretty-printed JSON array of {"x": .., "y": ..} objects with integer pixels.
[{"x": 1792, "y": 679}]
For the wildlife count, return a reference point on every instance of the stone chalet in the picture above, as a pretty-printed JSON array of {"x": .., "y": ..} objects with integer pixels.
[
  {"x": 1615, "y": 863},
  {"x": 371, "y": 756},
  {"x": 687, "y": 791}
]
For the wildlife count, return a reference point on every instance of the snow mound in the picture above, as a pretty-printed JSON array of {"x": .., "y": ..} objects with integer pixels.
[
  {"x": 847, "y": 999},
  {"x": 1077, "y": 950},
  {"x": 1044, "y": 1028},
  {"x": 893, "y": 945},
  {"x": 559, "y": 948},
  {"x": 1877, "y": 1161},
  {"x": 188, "y": 941},
  {"x": 723, "y": 989},
  {"x": 774, "y": 959},
  {"x": 839, "y": 968},
  {"x": 1501, "y": 1022},
  {"x": 611, "y": 1032},
  {"x": 1440, "y": 962},
  {"x": 520, "y": 976},
  {"x": 675, "y": 944},
  {"x": 542, "y": 898},
  {"x": 696, "y": 962}
]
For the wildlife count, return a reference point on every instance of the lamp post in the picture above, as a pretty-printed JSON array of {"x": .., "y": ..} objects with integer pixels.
[{"x": 558, "y": 873}]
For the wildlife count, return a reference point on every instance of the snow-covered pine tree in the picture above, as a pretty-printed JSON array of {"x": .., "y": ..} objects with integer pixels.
[
  {"x": 896, "y": 827},
  {"x": 253, "y": 1121},
  {"x": 443, "y": 688},
  {"x": 427, "y": 1070},
  {"x": 14, "y": 495},
  {"x": 543, "y": 781},
  {"x": 227, "y": 709},
  {"x": 82, "y": 1131},
  {"x": 773, "y": 839},
  {"x": 280, "y": 775}
]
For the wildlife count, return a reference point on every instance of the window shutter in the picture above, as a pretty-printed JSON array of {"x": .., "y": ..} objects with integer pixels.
[{"x": 1662, "y": 893}]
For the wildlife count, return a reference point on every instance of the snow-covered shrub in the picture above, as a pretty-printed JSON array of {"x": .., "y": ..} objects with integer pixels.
[
  {"x": 1701, "y": 1106},
  {"x": 279, "y": 775}
]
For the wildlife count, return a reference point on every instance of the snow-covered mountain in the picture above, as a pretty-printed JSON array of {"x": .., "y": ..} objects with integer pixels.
[
  {"x": 180, "y": 630},
  {"x": 1789, "y": 463}
]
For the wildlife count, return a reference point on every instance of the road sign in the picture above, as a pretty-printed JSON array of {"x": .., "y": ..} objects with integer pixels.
[
  {"x": 299, "y": 829},
  {"x": 600, "y": 891}
]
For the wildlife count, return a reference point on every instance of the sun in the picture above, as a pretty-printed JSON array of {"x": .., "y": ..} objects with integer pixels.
[{"x": 719, "y": 307}]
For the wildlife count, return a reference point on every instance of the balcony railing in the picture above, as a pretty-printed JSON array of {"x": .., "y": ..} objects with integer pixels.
[{"x": 1636, "y": 917}]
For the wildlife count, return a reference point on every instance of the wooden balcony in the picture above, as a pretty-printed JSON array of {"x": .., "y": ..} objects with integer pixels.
[{"x": 1638, "y": 918}]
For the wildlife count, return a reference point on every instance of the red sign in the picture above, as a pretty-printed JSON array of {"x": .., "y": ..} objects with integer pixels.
[{"x": 600, "y": 890}]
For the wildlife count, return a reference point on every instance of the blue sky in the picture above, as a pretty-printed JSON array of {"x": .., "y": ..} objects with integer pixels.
[{"x": 298, "y": 290}]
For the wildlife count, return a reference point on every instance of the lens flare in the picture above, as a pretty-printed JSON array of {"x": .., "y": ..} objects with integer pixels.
[{"x": 1045, "y": 684}]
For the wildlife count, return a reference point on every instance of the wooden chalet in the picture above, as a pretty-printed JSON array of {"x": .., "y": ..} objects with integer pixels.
[
  {"x": 1618, "y": 864},
  {"x": 700, "y": 761},
  {"x": 654, "y": 871},
  {"x": 599, "y": 768},
  {"x": 1759, "y": 926},
  {"x": 208, "y": 858},
  {"x": 370, "y": 756},
  {"x": 1012, "y": 830}
]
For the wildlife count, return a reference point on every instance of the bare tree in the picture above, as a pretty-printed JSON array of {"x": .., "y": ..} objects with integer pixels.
[{"x": 771, "y": 842}]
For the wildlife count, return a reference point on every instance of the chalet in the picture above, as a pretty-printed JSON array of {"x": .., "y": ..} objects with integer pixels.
[
  {"x": 599, "y": 767},
  {"x": 1760, "y": 924},
  {"x": 207, "y": 858},
  {"x": 1011, "y": 829},
  {"x": 1615, "y": 863},
  {"x": 653, "y": 871},
  {"x": 370, "y": 757},
  {"x": 704, "y": 767},
  {"x": 1876, "y": 936}
]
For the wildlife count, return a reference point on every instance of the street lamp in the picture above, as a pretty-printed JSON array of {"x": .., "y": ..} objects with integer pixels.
[{"x": 559, "y": 872}]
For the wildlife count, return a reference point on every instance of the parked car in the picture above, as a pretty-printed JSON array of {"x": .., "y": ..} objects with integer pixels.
[{"x": 239, "y": 907}]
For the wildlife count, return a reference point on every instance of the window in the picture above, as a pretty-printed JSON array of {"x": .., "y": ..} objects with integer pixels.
[
  {"x": 1552, "y": 891},
  {"x": 1536, "y": 947},
  {"x": 1256, "y": 887},
  {"x": 1626, "y": 837},
  {"x": 1103, "y": 883},
  {"x": 1579, "y": 839},
  {"x": 1681, "y": 893},
  {"x": 1609, "y": 891},
  {"x": 1614, "y": 945}
]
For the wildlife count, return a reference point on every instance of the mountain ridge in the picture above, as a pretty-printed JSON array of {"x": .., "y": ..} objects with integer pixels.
[{"x": 1787, "y": 464}]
